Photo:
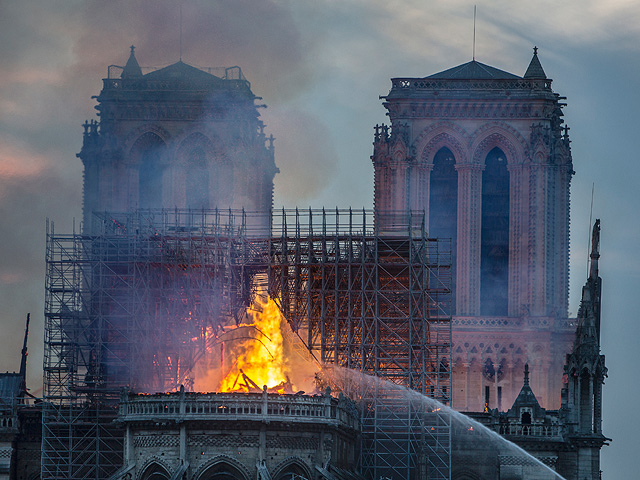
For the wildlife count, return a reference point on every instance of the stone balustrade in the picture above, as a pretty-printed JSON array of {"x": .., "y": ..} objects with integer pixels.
[
  {"x": 530, "y": 430},
  {"x": 262, "y": 407}
]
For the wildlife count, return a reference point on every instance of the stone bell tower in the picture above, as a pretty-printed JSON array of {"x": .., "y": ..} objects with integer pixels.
[
  {"x": 485, "y": 154},
  {"x": 177, "y": 137}
]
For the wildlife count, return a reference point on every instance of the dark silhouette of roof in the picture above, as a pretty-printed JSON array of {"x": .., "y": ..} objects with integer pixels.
[
  {"x": 474, "y": 70},
  {"x": 184, "y": 72}
]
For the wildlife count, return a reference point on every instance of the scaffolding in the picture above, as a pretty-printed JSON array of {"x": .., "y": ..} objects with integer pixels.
[
  {"x": 376, "y": 302},
  {"x": 135, "y": 305}
]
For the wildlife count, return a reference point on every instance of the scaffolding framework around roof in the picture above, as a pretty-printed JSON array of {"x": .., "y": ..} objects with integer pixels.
[
  {"x": 133, "y": 306},
  {"x": 136, "y": 304},
  {"x": 377, "y": 303}
]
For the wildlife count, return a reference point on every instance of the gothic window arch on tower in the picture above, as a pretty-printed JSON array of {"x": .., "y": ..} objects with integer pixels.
[
  {"x": 494, "y": 242},
  {"x": 443, "y": 203},
  {"x": 149, "y": 153},
  {"x": 197, "y": 179}
]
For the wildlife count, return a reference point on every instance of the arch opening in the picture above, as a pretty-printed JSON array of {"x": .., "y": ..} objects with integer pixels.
[
  {"x": 197, "y": 180},
  {"x": 222, "y": 471},
  {"x": 494, "y": 244},
  {"x": 155, "y": 472},
  {"x": 292, "y": 471},
  {"x": 443, "y": 205},
  {"x": 150, "y": 150}
]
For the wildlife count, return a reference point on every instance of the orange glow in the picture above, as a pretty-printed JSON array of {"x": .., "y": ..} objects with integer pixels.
[
  {"x": 261, "y": 350},
  {"x": 259, "y": 359}
]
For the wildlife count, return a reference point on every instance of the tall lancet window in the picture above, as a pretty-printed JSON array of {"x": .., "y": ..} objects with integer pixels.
[
  {"x": 151, "y": 149},
  {"x": 197, "y": 180},
  {"x": 494, "y": 249},
  {"x": 443, "y": 204}
]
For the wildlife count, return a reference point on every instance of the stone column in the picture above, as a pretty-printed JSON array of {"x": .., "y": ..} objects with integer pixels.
[
  {"x": 401, "y": 200},
  {"x": 129, "y": 455},
  {"x": 467, "y": 366},
  {"x": 468, "y": 238},
  {"x": 537, "y": 214},
  {"x": 183, "y": 427},
  {"x": 419, "y": 187},
  {"x": 518, "y": 253}
]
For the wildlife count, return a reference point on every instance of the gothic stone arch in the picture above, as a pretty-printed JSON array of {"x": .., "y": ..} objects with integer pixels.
[
  {"x": 503, "y": 136},
  {"x": 291, "y": 463},
  {"x": 442, "y": 134},
  {"x": 238, "y": 469}
]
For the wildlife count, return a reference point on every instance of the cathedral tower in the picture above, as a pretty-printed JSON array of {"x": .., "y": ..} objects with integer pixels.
[
  {"x": 484, "y": 153},
  {"x": 177, "y": 137}
]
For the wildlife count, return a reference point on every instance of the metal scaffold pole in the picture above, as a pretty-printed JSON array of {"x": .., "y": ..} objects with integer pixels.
[
  {"x": 135, "y": 305},
  {"x": 377, "y": 303}
]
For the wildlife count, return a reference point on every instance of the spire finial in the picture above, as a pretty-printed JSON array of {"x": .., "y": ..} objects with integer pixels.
[
  {"x": 526, "y": 374},
  {"x": 132, "y": 68},
  {"x": 23, "y": 361},
  {"x": 535, "y": 70},
  {"x": 595, "y": 250},
  {"x": 474, "y": 33}
]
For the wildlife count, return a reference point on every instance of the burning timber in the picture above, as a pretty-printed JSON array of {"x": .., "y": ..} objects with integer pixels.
[{"x": 155, "y": 294}]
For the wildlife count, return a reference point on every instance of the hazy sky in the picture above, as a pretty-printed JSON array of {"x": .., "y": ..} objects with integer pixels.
[{"x": 320, "y": 65}]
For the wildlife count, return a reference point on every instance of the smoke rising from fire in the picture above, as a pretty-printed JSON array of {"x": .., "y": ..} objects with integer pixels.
[{"x": 332, "y": 59}]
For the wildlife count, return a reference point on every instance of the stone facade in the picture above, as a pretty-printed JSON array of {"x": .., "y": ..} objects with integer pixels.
[
  {"x": 238, "y": 436},
  {"x": 178, "y": 137},
  {"x": 484, "y": 153},
  {"x": 568, "y": 440}
]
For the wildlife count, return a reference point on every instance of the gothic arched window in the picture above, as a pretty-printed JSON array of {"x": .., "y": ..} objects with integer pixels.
[
  {"x": 197, "y": 180},
  {"x": 150, "y": 150},
  {"x": 494, "y": 246},
  {"x": 443, "y": 205}
]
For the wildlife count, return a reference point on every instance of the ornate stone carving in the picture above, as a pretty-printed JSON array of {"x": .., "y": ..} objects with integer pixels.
[
  {"x": 160, "y": 440},
  {"x": 220, "y": 440},
  {"x": 440, "y": 134}
]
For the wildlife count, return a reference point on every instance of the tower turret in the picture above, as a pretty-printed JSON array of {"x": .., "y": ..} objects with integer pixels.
[
  {"x": 178, "y": 137},
  {"x": 585, "y": 372},
  {"x": 483, "y": 153}
]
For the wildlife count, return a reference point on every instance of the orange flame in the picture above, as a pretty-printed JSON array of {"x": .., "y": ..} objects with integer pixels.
[
  {"x": 259, "y": 360},
  {"x": 261, "y": 351}
]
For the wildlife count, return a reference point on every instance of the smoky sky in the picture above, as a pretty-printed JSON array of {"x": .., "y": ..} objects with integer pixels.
[{"x": 320, "y": 66}]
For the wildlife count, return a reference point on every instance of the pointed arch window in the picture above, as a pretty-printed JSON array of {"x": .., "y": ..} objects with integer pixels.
[
  {"x": 197, "y": 180},
  {"x": 494, "y": 246},
  {"x": 443, "y": 205},
  {"x": 151, "y": 152}
]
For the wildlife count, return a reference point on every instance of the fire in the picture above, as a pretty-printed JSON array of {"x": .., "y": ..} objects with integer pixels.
[
  {"x": 262, "y": 350},
  {"x": 259, "y": 359}
]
